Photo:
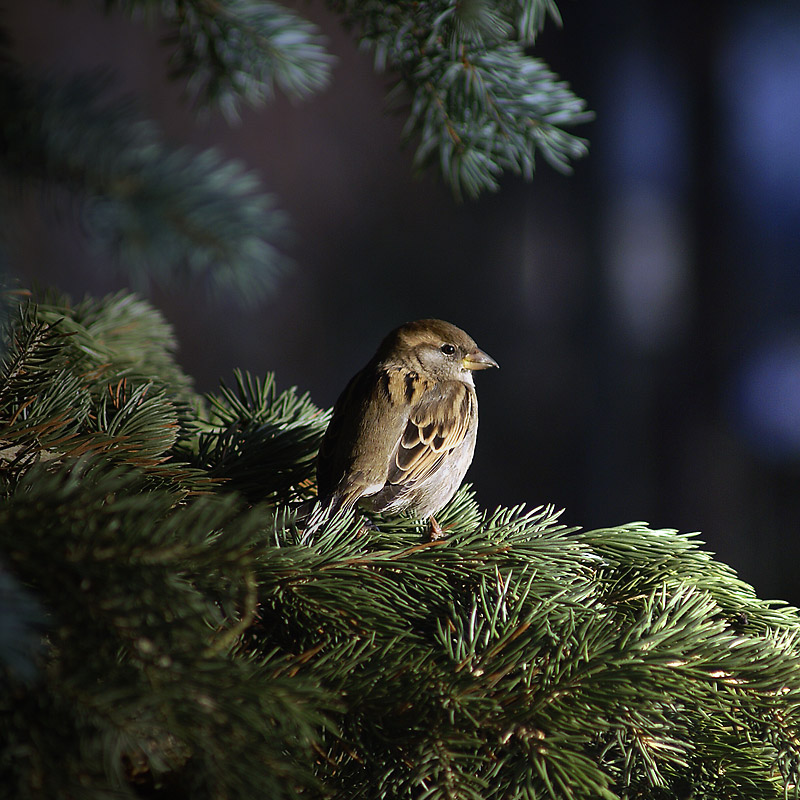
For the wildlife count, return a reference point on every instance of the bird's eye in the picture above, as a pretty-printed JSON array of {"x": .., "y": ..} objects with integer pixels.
[{"x": 447, "y": 349}]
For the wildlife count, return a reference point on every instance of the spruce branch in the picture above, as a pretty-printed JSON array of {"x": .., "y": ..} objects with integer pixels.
[
  {"x": 564, "y": 681},
  {"x": 490, "y": 113},
  {"x": 166, "y": 212},
  {"x": 235, "y": 52},
  {"x": 261, "y": 442},
  {"x": 479, "y": 105},
  {"x": 191, "y": 632},
  {"x": 99, "y": 377},
  {"x": 120, "y": 335},
  {"x": 531, "y": 15},
  {"x": 158, "y": 691}
]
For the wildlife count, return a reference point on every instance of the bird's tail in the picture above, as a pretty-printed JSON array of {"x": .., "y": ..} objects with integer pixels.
[{"x": 313, "y": 514}]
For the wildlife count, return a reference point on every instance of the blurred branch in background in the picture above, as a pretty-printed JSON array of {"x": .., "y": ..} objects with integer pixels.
[
  {"x": 479, "y": 107},
  {"x": 167, "y": 212}
]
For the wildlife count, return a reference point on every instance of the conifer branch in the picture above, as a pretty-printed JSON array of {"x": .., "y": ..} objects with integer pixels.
[
  {"x": 164, "y": 211},
  {"x": 187, "y": 631},
  {"x": 258, "y": 441},
  {"x": 190, "y": 632},
  {"x": 232, "y": 52},
  {"x": 98, "y": 377},
  {"x": 235, "y": 51},
  {"x": 479, "y": 106}
]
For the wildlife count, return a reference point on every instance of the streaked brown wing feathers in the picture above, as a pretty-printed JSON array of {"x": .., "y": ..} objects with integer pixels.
[{"x": 435, "y": 427}]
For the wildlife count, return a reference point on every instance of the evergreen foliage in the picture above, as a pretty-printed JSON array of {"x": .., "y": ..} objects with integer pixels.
[
  {"x": 170, "y": 627},
  {"x": 175, "y": 639},
  {"x": 478, "y": 106},
  {"x": 165, "y": 211},
  {"x": 232, "y": 52}
]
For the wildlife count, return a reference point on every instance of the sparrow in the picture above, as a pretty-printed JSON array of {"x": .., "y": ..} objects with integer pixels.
[{"x": 403, "y": 431}]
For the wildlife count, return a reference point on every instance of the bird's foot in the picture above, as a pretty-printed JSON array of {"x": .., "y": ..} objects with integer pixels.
[{"x": 436, "y": 531}]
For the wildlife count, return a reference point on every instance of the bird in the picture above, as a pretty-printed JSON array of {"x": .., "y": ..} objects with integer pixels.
[{"x": 402, "y": 434}]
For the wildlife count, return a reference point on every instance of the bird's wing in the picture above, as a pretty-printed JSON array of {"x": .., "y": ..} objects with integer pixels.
[
  {"x": 335, "y": 456},
  {"x": 437, "y": 424}
]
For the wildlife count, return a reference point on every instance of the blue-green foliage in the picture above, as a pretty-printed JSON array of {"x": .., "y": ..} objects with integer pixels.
[
  {"x": 164, "y": 211},
  {"x": 478, "y": 105}
]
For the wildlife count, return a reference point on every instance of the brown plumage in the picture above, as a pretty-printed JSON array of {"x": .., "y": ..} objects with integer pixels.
[{"x": 403, "y": 431}]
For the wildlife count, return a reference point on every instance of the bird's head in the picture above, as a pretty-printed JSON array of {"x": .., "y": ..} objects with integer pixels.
[{"x": 436, "y": 349}]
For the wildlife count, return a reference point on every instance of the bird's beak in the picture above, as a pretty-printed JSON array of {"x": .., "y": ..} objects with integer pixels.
[{"x": 477, "y": 359}]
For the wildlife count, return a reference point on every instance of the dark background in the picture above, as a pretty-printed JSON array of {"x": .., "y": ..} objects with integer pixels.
[{"x": 645, "y": 311}]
